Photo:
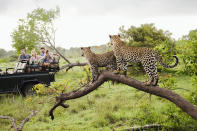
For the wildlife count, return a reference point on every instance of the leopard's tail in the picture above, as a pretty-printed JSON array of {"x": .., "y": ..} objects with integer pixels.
[{"x": 166, "y": 65}]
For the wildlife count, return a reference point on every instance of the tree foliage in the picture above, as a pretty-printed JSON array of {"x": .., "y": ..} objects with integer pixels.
[
  {"x": 147, "y": 35},
  {"x": 187, "y": 47},
  {"x": 31, "y": 30}
]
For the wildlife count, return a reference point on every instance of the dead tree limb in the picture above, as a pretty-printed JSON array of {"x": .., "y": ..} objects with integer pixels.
[
  {"x": 27, "y": 119},
  {"x": 48, "y": 39},
  {"x": 71, "y": 65},
  {"x": 51, "y": 46},
  {"x": 106, "y": 75},
  {"x": 22, "y": 123},
  {"x": 12, "y": 120}
]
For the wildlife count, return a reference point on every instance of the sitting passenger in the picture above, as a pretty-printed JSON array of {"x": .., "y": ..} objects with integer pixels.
[
  {"x": 34, "y": 60},
  {"x": 21, "y": 66},
  {"x": 23, "y": 56},
  {"x": 42, "y": 51},
  {"x": 47, "y": 59}
]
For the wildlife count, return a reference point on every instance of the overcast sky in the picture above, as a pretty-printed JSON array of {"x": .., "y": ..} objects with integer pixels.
[{"x": 89, "y": 22}]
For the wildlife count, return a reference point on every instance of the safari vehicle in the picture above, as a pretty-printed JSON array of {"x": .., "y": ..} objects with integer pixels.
[{"x": 23, "y": 77}]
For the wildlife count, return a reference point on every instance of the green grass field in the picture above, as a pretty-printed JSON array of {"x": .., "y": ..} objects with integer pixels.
[{"x": 110, "y": 107}]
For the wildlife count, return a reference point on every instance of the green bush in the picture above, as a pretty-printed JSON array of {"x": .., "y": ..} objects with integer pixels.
[
  {"x": 193, "y": 93},
  {"x": 167, "y": 81},
  {"x": 147, "y": 35},
  {"x": 4, "y": 60},
  {"x": 176, "y": 119},
  {"x": 13, "y": 58},
  {"x": 187, "y": 48}
]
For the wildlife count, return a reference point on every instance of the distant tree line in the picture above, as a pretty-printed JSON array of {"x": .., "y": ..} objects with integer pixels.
[
  {"x": 4, "y": 53},
  {"x": 76, "y": 51}
]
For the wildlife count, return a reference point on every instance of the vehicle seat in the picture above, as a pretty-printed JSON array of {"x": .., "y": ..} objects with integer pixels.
[{"x": 20, "y": 67}]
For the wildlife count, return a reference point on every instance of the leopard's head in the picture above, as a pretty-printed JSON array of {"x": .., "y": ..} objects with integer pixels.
[
  {"x": 85, "y": 50},
  {"x": 114, "y": 39}
]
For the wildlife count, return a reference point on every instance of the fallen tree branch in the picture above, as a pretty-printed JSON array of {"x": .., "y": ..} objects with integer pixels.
[
  {"x": 71, "y": 65},
  {"x": 106, "y": 75},
  {"x": 12, "y": 120},
  {"x": 22, "y": 123},
  {"x": 27, "y": 119}
]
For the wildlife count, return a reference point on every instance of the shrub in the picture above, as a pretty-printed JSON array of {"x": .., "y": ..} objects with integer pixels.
[
  {"x": 193, "y": 93},
  {"x": 13, "y": 58},
  {"x": 54, "y": 89},
  {"x": 188, "y": 52},
  {"x": 167, "y": 81},
  {"x": 3, "y": 60}
]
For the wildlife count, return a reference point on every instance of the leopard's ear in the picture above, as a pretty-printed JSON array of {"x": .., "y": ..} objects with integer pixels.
[
  {"x": 89, "y": 47},
  {"x": 110, "y": 36},
  {"x": 81, "y": 48},
  {"x": 118, "y": 35}
]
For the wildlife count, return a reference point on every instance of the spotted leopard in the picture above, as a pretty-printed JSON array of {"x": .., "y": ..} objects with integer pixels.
[
  {"x": 147, "y": 56},
  {"x": 107, "y": 60}
]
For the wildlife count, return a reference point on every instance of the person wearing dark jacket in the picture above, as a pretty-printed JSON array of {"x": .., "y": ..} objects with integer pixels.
[{"x": 23, "y": 56}]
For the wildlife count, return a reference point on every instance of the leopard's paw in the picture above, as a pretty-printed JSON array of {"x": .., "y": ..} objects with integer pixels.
[
  {"x": 147, "y": 83},
  {"x": 116, "y": 72}
]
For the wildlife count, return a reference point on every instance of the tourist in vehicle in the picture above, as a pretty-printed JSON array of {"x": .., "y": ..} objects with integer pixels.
[
  {"x": 47, "y": 58},
  {"x": 42, "y": 51},
  {"x": 23, "y": 56},
  {"x": 34, "y": 60},
  {"x": 23, "y": 61}
]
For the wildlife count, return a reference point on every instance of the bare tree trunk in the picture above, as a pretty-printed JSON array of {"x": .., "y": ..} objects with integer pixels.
[{"x": 105, "y": 76}]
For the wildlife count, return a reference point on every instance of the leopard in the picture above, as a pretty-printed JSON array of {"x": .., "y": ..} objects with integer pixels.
[
  {"x": 146, "y": 56},
  {"x": 95, "y": 61}
]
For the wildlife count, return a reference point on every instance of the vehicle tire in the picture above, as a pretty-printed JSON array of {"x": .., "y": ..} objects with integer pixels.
[{"x": 28, "y": 89}]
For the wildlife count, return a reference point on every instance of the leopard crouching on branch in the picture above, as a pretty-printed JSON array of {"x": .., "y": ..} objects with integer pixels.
[
  {"x": 107, "y": 60},
  {"x": 148, "y": 57}
]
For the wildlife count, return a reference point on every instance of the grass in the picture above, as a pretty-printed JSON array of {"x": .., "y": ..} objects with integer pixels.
[{"x": 110, "y": 107}]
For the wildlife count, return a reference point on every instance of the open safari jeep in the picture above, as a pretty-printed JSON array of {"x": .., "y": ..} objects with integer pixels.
[{"x": 22, "y": 78}]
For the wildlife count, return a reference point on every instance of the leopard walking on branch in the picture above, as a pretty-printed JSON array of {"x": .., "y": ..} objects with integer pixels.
[{"x": 147, "y": 56}]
